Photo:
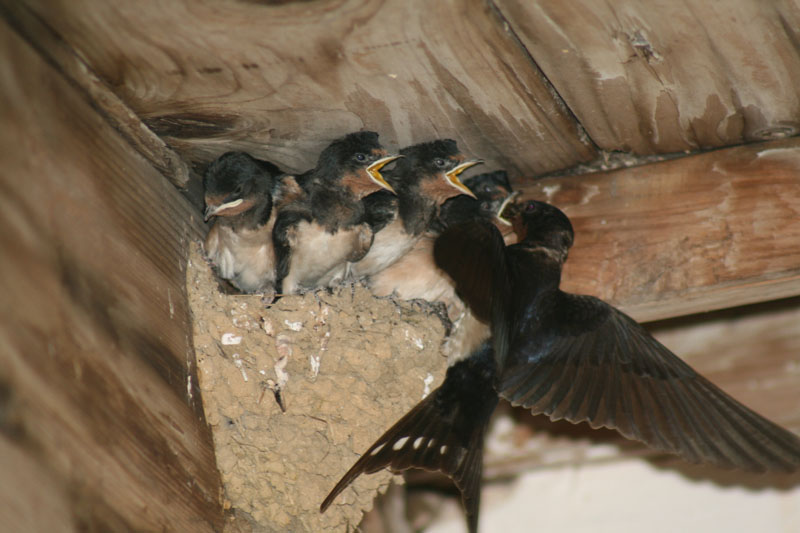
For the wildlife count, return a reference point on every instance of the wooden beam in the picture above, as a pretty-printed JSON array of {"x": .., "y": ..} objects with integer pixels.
[
  {"x": 660, "y": 77},
  {"x": 282, "y": 79},
  {"x": 63, "y": 58},
  {"x": 98, "y": 391},
  {"x": 704, "y": 232}
]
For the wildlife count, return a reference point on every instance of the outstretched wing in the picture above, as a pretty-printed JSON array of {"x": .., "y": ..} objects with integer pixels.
[
  {"x": 443, "y": 433},
  {"x": 583, "y": 360}
]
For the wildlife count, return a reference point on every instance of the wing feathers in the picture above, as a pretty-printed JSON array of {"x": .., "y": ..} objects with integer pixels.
[{"x": 615, "y": 375}]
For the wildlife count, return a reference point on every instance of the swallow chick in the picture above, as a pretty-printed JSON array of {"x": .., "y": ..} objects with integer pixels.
[
  {"x": 423, "y": 179},
  {"x": 415, "y": 275},
  {"x": 567, "y": 356},
  {"x": 239, "y": 192},
  {"x": 325, "y": 227},
  {"x": 493, "y": 192}
]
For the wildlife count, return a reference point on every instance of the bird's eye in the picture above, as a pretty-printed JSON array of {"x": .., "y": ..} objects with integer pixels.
[
  {"x": 361, "y": 157},
  {"x": 487, "y": 188},
  {"x": 530, "y": 207},
  {"x": 439, "y": 162}
]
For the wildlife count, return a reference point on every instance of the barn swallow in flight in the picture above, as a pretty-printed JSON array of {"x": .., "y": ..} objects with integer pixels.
[
  {"x": 240, "y": 191},
  {"x": 426, "y": 176},
  {"x": 567, "y": 356},
  {"x": 316, "y": 234}
]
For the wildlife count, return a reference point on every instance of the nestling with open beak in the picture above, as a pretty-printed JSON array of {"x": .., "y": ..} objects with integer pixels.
[
  {"x": 426, "y": 176},
  {"x": 493, "y": 193},
  {"x": 323, "y": 229},
  {"x": 416, "y": 276},
  {"x": 567, "y": 356}
]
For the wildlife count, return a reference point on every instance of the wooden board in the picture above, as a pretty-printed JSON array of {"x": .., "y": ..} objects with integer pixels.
[
  {"x": 98, "y": 393},
  {"x": 655, "y": 77},
  {"x": 705, "y": 232},
  {"x": 282, "y": 80},
  {"x": 65, "y": 60}
]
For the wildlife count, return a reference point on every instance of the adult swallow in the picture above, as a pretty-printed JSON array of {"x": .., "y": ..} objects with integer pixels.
[
  {"x": 317, "y": 233},
  {"x": 425, "y": 176},
  {"x": 240, "y": 191},
  {"x": 568, "y": 356}
]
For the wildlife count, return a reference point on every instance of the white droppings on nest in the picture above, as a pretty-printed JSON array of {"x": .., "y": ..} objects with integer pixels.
[
  {"x": 315, "y": 362},
  {"x": 283, "y": 345},
  {"x": 237, "y": 362},
  {"x": 229, "y": 339},
  {"x": 322, "y": 329},
  {"x": 240, "y": 322},
  {"x": 427, "y": 382},
  {"x": 415, "y": 340},
  {"x": 294, "y": 326},
  {"x": 280, "y": 370}
]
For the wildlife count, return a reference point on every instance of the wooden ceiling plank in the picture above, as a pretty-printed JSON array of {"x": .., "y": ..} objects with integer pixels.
[
  {"x": 660, "y": 77},
  {"x": 689, "y": 235},
  {"x": 59, "y": 54},
  {"x": 281, "y": 81},
  {"x": 97, "y": 382}
]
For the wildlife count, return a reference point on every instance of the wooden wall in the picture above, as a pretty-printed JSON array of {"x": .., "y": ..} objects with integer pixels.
[
  {"x": 531, "y": 86},
  {"x": 655, "y": 77},
  {"x": 101, "y": 425},
  {"x": 710, "y": 231}
]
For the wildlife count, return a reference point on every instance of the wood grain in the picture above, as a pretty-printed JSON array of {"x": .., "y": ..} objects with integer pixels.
[
  {"x": 64, "y": 59},
  {"x": 655, "y": 77},
  {"x": 705, "y": 232},
  {"x": 98, "y": 391},
  {"x": 282, "y": 80}
]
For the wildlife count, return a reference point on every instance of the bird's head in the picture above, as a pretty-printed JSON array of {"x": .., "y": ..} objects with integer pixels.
[
  {"x": 356, "y": 161},
  {"x": 493, "y": 191},
  {"x": 540, "y": 224},
  {"x": 434, "y": 167},
  {"x": 235, "y": 182}
]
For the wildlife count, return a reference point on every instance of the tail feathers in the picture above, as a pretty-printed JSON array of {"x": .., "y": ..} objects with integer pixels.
[{"x": 444, "y": 433}]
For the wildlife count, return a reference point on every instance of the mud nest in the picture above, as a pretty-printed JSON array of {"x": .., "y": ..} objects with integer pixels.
[{"x": 345, "y": 366}]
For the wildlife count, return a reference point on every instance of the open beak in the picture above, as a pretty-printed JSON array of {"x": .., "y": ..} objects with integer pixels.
[
  {"x": 502, "y": 208},
  {"x": 374, "y": 171},
  {"x": 212, "y": 210},
  {"x": 452, "y": 176}
]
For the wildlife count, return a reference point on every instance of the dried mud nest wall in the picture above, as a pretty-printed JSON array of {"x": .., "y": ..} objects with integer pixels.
[{"x": 348, "y": 365}]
